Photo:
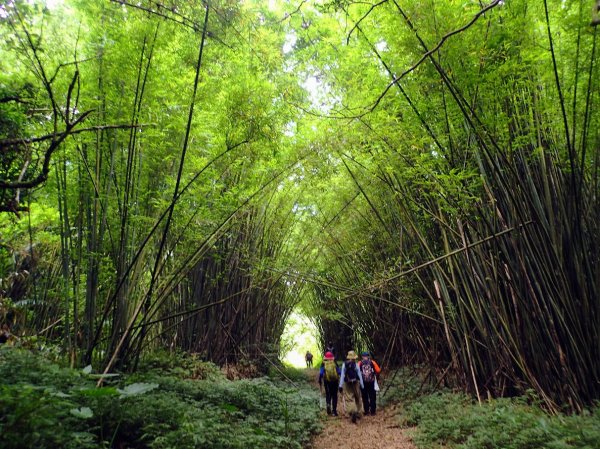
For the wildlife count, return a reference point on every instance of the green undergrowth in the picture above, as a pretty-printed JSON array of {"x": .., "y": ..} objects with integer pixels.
[
  {"x": 169, "y": 403},
  {"x": 289, "y": 373},
  {"x": 446, "y": 419},
  {"x": 402, "y": 387}
]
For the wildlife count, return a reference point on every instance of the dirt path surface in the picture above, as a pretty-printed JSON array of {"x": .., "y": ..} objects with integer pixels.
[{"x": 370, "y": 432}]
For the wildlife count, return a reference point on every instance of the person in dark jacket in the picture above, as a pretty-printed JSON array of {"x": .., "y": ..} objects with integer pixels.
[
  {"x": 330, "y": 348},
  {"x": 308, "y": 357},
  {"x": 4, "y": 333}
]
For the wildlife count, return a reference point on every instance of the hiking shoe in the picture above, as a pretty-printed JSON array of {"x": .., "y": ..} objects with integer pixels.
[
  {"x": 328, "y": 411},
  {"x": 373, "y": 413},
  {"x": 335, "y": 413},
  {"x": 353, "y": 418}
]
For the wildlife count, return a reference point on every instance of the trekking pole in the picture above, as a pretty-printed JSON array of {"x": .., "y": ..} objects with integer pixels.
[{"x": 320, "y": 396}]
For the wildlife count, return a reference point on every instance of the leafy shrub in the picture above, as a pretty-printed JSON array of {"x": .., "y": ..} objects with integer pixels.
[
  {"x": 178, "y": 364},
  {"x": 44, "y": 405},
  {"x": 25, "y": 367},
  {"x": 454, "y": 420},
  {"x": 35, "y": 417}
]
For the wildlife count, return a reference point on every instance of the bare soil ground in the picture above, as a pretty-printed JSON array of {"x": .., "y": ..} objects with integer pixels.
[{"x": 370, "y": 432}]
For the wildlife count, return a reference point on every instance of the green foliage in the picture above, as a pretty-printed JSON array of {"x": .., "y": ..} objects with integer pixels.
[
  {"x": 463, "y": 152},
  {"x": 178, "y": 364},
  {"x": 285, "y": 372},
  {"x": 456, "y": 421},
  {"x": 12, "y": 113},
  {"x": 35, "y": 416},
  {"x": 36, "y": 403},
  {"x": 44, "y": 405}
]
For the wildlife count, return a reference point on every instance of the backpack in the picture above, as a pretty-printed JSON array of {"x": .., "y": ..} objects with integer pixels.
[
  {"x": 368, "y": 372},
  {"x": 351, "y": 375},
  {"x": 331, "y": 374}
]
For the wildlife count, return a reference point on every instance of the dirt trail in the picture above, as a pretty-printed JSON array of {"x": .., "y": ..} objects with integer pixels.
[{"x": 370, "y": 432}]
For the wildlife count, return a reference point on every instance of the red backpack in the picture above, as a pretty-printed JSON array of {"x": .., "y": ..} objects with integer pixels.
[{"x": 368, "y": 372}]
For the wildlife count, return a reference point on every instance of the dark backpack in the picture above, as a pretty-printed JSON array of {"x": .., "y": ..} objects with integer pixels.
[
  {"x": 350, "y": 374},
  {"x": 368, "y": 373}
]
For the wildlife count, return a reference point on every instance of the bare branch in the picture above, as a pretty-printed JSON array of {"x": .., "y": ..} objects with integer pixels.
[
  {"x": 290, "y": 14},
  {"x": 429, "y": 53},
  {"x": 13, "y": 207},
  {"x": 69, "y": 93},
  {"x": 186, "y": 22},
  {"x": 11, "y": 142},
  {"x": 20, "y": 178},
  {"x": 465, "y": 248},
  {"x": 595, "y": 16},
  {"x": 66, "y": 64},
  {"x": 363, "y": 18},
  {"x": 47, "y": 156},
  {"x": 15, "y": 99}
]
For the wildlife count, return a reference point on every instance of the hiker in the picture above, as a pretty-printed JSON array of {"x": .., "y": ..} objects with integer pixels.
[
  {"x": 4, "y": 333},
  {"x": 329, "y": 374},
  {"x": 369, "y": 370},
  {"x": 351, "y": 382},
  {"x": 308, "y": 357},
  {"x": 330, "y": 348}
]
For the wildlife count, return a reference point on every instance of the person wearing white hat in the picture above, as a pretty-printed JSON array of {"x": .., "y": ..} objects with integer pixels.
[{"x": 351, "y": 384}]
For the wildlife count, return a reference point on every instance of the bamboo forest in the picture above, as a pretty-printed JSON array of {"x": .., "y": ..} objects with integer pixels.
[{"x": 299, "y": 224}]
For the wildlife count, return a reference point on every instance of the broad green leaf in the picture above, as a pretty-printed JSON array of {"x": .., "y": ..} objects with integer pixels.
[
  {"x": 136, "y": 388},
  {"x": 82, "y": 412}
]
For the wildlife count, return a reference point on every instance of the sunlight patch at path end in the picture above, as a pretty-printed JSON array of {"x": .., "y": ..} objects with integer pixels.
[{"x": 300, "y": 335}]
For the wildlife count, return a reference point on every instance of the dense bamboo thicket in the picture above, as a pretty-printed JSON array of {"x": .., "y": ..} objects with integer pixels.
[
  {"x": 231, "y": 308},
  {"x": 421, "y": 177},
  {"x": 158, "y": 166},
  {"x": 475, "y": 192}
]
